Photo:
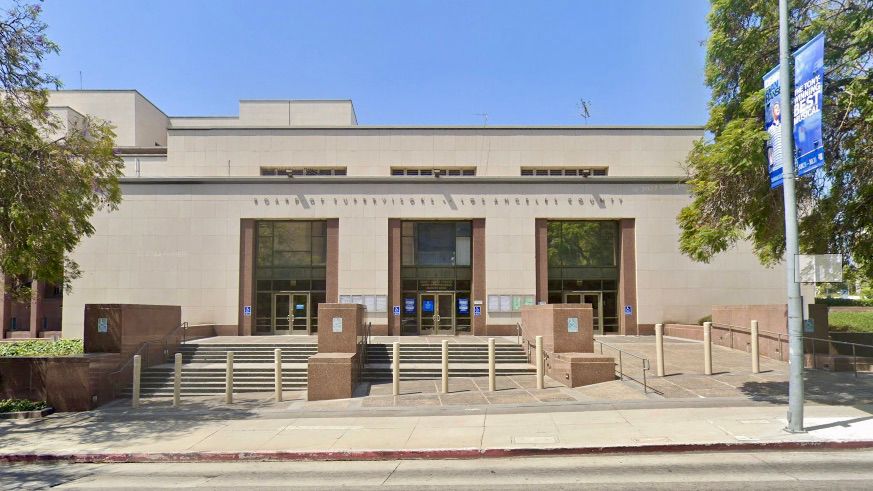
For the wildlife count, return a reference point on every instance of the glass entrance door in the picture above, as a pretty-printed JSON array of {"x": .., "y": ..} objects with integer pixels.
[
  {"x": 596, "y": 301},
  {"x": 436, "y": 313},
  {"x": 291, "y": 313}
]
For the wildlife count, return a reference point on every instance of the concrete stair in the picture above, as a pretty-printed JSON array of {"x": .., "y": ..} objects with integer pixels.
[
  {"x": 424, "y": 361},
  {"x": 203, "y": 366},
  {"x": 203, "y": 369}
]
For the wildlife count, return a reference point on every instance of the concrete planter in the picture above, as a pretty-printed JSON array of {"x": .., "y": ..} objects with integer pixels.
[{"x": 27, "y": 414}]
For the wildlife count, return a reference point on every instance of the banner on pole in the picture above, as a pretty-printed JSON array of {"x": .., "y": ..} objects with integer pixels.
[
  {"x": 808, "y": 83},
  {"x": 773, "y": 125}
]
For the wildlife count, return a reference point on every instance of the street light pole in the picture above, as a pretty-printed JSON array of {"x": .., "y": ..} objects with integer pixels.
[{"x": 795, "y": 308}]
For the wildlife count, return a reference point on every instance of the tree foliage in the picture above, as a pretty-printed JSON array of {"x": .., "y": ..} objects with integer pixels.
[
  {"x": 728, "y": 179},
  {"x": 54, "y": 173}
]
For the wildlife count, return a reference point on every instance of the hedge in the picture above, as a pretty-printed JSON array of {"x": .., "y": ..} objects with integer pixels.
[
  {"x": 61, "y": 347},
  {"x": 16, "y": 405},
  {"x": 844, "y": 302}
]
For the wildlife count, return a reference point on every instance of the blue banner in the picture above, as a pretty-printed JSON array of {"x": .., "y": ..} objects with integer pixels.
[
  {"x": 773, "y": 125},
  {"x": 808, "y": 83},
  {"x": 463, "y": 306}
]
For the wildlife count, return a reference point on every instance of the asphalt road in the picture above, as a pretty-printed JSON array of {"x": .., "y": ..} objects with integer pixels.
[{"x": 852, "y": 469}]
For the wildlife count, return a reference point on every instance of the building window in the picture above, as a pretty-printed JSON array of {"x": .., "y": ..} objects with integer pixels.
[
  {"x": 429, "y": 171},
  {"x": 290, "y": 273},
  {"x": 303, "y": 171},
  {"x": 583, "y": 267},
  {"x": 564, "y": 171}
]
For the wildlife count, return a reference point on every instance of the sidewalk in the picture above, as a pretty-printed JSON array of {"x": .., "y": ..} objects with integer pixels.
[{"x": 254, "y": 429}]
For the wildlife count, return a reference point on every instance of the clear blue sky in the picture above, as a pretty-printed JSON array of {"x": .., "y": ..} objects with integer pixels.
[{"x": 401, "y": 62}]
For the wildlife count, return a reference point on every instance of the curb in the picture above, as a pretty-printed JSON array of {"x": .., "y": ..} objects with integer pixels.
[
  {"x": 452, "y": 454},
  {"x": 28, "y": 414}
]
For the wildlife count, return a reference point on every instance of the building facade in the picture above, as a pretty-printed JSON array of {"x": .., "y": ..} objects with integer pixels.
[{"x": 249, "y": 222}]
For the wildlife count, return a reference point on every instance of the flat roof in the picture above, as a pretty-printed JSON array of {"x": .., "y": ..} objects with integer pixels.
[{"x": 444, "y": 127}]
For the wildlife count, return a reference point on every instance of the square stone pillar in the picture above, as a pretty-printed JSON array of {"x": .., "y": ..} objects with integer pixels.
[
  {"x": 554, "y": 323},
  {"x": 340, "y": 327},
  {"x": 37, "y": 304},
  {"x": 246, "y": 276},
  {"x": 394, "y": 290}
]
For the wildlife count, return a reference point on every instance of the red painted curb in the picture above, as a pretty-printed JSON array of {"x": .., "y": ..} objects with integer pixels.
[{"x": 455, "y": 454}]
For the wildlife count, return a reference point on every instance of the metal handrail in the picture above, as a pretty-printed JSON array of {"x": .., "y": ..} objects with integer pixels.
[
  {"x": 518, "y": 330},
  {"x": 829, "y": 341},
  {"x": 621, "y": 354},
  {"x": 163, "y": 342},
  {"x": 748, "y": 330}
]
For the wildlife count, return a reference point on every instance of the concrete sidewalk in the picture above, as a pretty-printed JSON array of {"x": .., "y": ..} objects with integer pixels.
[{"x": 260, "y": 432}]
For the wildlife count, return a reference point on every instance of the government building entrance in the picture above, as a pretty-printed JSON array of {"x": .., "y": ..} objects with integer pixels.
[{"x": 436, "y": 275}]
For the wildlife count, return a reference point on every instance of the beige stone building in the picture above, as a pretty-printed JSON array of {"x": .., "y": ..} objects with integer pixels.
[{"x": 249, "y": 221}]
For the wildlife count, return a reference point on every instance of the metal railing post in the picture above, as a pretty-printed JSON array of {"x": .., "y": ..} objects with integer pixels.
[
  {"x": 540, "y": 375},
  {"x": 137, "y": 368},
  {"x": 395, "y": 368},
  {"x": 620, "y": 367},
  {"x": 445, "y": 385},
  {"x": 277, "y": 373},
  {"x": 756, "y": 360},
  {"x": 492, "y": 372},
  {"x": 177, "y": 380},
  {"x": 228, "y": 379},
  {"x": 707, "y": 348},
  {"x": 813, "y": 354},
  {"x": 645, "y": 383},
  {"x": 854, "y": 361},
  {"x": 659, "y": 349}
]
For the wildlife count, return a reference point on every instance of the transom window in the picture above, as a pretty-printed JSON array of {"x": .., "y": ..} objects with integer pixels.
[
  {"x": 303, "y": 171},
  {"x": 564, "y": 171},
  {"x": 429, "y": 171}
]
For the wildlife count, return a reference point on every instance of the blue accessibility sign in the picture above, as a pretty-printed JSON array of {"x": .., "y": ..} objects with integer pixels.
[
  {"x": 628, "y": 310},
  {"x": 477, "y": 310},
  {"x": 247, "y": 311},
  {"x": 396, "y": 310}
]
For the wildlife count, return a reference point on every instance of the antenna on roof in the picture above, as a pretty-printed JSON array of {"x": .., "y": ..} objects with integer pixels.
[
  {"x": 484, "y": 118},
  {"x": 584, "y": 109},
  {"x": 81, "y": 86}
]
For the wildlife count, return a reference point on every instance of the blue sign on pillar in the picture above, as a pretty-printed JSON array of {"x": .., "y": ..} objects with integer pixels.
[
  {"x": 628, "y": 310},
  {"x": 477, "y": 310},
  {"x": 396, "y": 310},
  {"x": 247, "y": 311}
]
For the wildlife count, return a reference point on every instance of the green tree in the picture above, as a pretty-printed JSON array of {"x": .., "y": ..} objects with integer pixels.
[
  {"x": 53, "y": 175},
  {"x": 728, "y": 179}
]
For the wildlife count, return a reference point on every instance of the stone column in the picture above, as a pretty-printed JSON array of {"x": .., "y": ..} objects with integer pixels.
[
  {"x": 394, "y": 289},
  {"x": 331, "y": 293},
  {"x": 541, "y": 233},
  {"x": 478, "y": 293},
  {"x": 246, "y": 276},
  {"x": 627, "y": 283},
  {"x": 37, "y": 311},
  {"x": 5, "y": 306}
]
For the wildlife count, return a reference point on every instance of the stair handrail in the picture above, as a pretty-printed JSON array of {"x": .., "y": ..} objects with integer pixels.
[
  {"x": 623, "y": 353},
  {"x": 129, "y": 363}
]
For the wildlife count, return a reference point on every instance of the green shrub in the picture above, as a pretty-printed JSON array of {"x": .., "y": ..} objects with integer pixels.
[
  {"x": 61, "y": 347},
  {"x": 16, "y": 405},
  {"x": 844, "y": 302},
  {"x": 708, "y": 318},
  {"x": 850, "y": 321}
]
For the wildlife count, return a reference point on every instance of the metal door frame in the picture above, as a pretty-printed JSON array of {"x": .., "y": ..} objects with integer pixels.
[
  {"x": 291, "y": 294},
  {"x": 436, "y": 308},
  {"x": 598, "y": 322}
]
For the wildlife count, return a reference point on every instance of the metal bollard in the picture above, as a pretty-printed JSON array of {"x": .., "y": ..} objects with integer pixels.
[
  {"x": 137, "y": 368},
  {"x": 707, "y": 348},
  {"x": 277, "y": 353},
  {"x": 492, "y": 370},
  {"x": 756, "y": 360},
  {"x": 659, "y": 349},
  {"x": 445, "y": 366},
  {"x": 540, "y": 381},
  {"x": 228, "y": 379},
  {"x": 395, "y": 368},
  {"x": 177, "y": 380}
]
